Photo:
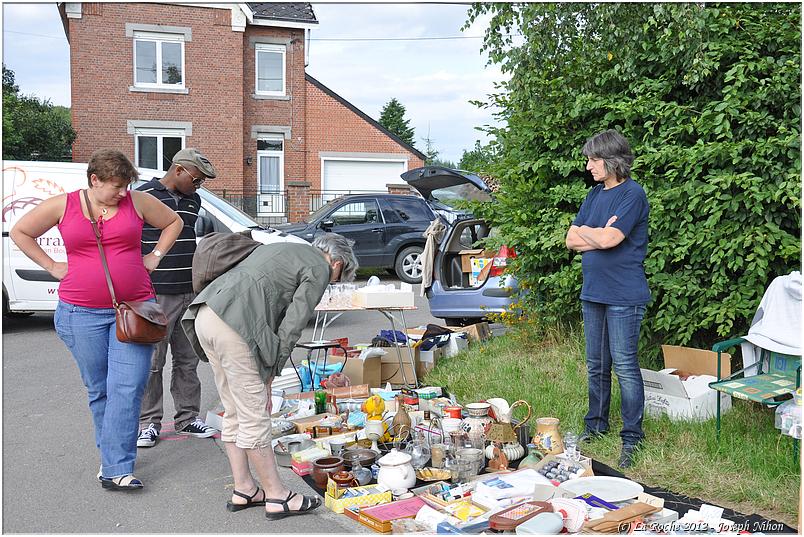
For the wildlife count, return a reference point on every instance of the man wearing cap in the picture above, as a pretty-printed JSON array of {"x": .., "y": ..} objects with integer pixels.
[{"x": 174, "y": 291}]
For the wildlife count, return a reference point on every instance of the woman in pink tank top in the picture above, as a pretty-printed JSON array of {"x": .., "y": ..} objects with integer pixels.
[{"x": 114, "y": 373}]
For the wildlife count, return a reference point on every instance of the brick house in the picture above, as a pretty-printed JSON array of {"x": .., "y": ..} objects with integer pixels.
[{"x": 229, "y": 79}]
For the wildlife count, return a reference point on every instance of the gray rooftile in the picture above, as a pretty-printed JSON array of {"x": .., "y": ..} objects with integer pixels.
[{"x": 294, "y": 12}]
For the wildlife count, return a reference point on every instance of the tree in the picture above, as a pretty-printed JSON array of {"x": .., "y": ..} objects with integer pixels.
[
  {"x": 478, "y": 159},
  {"x": 33, "y": 129},
  {"x": 708, "y": 95},
  {"x": 392, "y": 118}
]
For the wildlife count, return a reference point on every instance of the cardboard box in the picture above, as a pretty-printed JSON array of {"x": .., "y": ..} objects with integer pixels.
[
  {"x": 310, "y": 425},
  {"x": 478, "y": 264},
  {"x": 358, "y": 391},
  {"x": 301, "y": 468},
  {"x": 426, "y": 360},
  {"x": 386, "y": 299},
  {"x": 468, "y": 255},
  {"x": 391, "y": 371},
  {"x": 691, "y": 399},
  {"x": 474, "y": 332}
]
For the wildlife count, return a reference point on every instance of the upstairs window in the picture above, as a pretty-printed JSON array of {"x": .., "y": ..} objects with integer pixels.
[
  {"x": 270, "y": 69},
  {"x": 158, "y": 60}
]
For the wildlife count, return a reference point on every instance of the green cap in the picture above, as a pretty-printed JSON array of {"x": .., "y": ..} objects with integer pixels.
[{"x": 193, "y": 156}]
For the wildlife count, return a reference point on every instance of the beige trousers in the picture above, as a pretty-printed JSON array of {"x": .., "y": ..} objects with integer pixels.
[{"x": 246, "y": 422}]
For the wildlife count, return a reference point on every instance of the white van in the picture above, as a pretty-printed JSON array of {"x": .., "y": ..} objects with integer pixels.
[{"x": 27, "y": 287}]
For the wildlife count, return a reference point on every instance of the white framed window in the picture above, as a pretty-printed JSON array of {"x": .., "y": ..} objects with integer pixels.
[
  {"x": 158, "y": 60},
  {"x": 154, "y": 148},
  {"x": 270, "y": 164},
  {"x": 270, "y": 69}
]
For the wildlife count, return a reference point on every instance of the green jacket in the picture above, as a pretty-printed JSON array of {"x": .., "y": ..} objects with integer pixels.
[{"x": 267, "y": 298}]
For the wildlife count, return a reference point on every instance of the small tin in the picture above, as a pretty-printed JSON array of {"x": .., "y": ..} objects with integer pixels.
[{"x": 453, "y": 411}]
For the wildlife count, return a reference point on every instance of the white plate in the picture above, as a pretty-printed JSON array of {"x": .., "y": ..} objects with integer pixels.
[{"x": 611, "y": 489}]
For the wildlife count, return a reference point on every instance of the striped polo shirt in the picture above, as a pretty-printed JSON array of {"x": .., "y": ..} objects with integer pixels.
[{"x": 174, "y": 275}]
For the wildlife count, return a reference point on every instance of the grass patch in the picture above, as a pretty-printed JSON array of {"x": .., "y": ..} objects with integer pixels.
[{"x": 751, "y": 470}]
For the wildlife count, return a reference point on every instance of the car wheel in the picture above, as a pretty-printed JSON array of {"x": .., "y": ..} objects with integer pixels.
[{"x": 408, "y": 264}]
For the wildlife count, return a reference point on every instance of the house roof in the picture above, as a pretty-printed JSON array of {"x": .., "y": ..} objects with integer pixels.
[
  {"x": 367, "y": 118},
  {"x": 279, "y": 11}
]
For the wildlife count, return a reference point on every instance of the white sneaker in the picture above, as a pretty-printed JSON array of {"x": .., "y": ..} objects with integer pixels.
[{"x": 148, "y": 436}]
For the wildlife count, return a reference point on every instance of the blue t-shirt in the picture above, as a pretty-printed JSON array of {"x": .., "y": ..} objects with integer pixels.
[{"x": 616, "y": 276}]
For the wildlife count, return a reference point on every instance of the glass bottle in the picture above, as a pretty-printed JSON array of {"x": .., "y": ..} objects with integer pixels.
[
  {"x": 363, "y": 475},
  {"x": 533, "y": 458}
]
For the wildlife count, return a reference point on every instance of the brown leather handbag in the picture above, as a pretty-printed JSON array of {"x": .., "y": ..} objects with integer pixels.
[{"x": 137, "y": 321}]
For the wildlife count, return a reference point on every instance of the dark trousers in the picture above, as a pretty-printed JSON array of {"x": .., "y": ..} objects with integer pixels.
[
  {"x": 185, "y": 387},
  {"x": 612, "y": 336}
]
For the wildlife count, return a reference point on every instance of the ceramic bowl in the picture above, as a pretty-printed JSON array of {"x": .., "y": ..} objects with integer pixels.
[{"x": 366, "y": 457}]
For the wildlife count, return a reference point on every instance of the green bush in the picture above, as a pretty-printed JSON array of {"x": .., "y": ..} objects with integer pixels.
[{"x": 709, "y": 97}]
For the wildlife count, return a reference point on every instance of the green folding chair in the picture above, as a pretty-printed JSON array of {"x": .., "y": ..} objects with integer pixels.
[{"x": 771, "y": 387}]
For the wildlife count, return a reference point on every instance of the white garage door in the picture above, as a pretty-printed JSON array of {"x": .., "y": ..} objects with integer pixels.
[{"x": 357, "y": 175}]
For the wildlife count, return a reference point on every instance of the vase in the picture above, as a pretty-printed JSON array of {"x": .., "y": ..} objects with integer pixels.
[
  {"x": 547, "y": 437},
  {"x": 533, "y": 459},
  {"x": 476, "y": 423}
]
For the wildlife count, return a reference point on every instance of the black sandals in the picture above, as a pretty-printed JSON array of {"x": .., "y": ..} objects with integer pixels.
[
  {"x": 308, "y": 504},
  {"x": 123, "y": 482},
  {"x": 250, "y": 501}
]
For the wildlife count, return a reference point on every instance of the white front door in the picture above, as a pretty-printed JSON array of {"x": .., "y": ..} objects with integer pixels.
[{"x": 271, "y": 176}]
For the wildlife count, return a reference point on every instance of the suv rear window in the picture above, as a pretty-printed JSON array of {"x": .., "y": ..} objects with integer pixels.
[{"x": 412, "y": 210}]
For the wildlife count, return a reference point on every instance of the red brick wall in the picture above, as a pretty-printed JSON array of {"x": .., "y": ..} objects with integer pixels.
[
  {"x": 101, "y": 63},
  {"x": 275, "y": 112},
  {"x": 331, "y": 126}
]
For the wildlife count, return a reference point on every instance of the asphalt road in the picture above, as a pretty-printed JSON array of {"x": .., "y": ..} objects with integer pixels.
[{"x": 50, "y": 460}]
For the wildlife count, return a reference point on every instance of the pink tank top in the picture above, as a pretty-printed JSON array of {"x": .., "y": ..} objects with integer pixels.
[{"x": 85, "y": 282}]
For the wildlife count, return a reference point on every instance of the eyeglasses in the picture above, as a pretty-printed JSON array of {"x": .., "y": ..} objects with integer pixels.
[{"x": 197, "y": 181}]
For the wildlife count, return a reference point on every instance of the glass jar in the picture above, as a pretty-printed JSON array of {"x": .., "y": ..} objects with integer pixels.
[{"x": 533, "y": 459}]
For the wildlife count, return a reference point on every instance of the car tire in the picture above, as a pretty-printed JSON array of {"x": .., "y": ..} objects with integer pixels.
[{"x": 408, "y": 265}]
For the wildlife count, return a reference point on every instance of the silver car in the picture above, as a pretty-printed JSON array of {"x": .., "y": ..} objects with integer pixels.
[{"x": 468, "y": 282}]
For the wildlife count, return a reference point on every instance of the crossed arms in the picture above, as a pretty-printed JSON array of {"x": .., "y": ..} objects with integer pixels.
[{"x": 585, "y": 238}]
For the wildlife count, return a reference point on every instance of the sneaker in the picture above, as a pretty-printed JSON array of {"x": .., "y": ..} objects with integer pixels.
[
  {"x": 588, "y": 436},
  {"x": 628, "y": 454},
  {"x": 198, "y": 429},
  {"x": 148, "y": 436}
]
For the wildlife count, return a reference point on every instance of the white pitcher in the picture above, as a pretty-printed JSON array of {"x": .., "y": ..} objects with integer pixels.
[{"x": 504, "y": 412}]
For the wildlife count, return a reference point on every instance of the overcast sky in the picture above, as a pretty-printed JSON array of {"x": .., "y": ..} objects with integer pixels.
[{"x": 433, "y": 79}]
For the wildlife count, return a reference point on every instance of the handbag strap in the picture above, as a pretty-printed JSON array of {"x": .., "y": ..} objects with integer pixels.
[{"x": 100, "y": 249}]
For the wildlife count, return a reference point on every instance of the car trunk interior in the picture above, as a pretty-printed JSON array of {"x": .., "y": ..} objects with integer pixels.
[{"x": 452, "y": 270}]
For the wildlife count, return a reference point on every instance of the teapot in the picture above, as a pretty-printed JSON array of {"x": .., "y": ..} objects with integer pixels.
[{"x": 396, "y": 471}]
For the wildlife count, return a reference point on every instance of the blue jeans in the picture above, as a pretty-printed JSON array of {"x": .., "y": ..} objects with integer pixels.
[
  {"x": 612, "y": 336},
  {"x": 115, "y": 375}
]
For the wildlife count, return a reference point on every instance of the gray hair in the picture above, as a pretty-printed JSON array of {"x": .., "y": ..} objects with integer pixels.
[
  {"x": 613, "y": 148},
  {"x": 339, "y": 248}
]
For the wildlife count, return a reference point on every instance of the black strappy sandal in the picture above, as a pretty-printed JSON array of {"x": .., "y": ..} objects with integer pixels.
[
  {"x": 308, "y": 504},
  {"x": 250, "y": 502}
]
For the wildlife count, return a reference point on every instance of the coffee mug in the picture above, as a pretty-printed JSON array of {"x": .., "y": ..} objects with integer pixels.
[
  {"x": 336, "y": 446},
  {"x": 453, "y": 411}
]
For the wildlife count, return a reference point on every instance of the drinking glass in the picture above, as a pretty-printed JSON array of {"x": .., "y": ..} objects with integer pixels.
[{"x": 571, "y": 446}]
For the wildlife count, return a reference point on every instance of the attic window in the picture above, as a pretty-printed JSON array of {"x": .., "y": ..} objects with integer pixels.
[
  {"x": 158, "y": 60},
  {"x": 270, "y": 69}
]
